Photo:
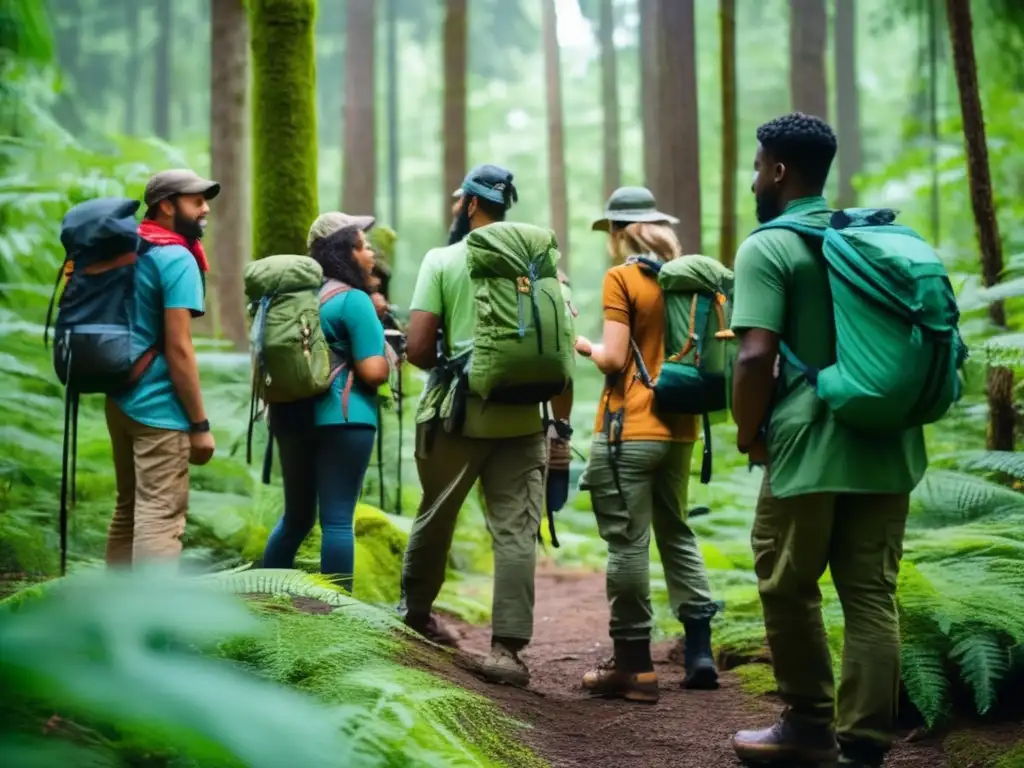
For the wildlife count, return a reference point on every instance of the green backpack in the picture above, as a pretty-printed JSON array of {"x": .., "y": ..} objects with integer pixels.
[
  {"x": 523, "y": 340},
  {"x": 699, "y": 345},
  {"x": 291, "y": 358},
  {"x": 898, "y": 350}
]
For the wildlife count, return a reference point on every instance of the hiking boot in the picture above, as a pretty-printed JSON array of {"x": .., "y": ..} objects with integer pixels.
[
  {"x": 860, "y": 754},
  {"x": 432, "y": 629},
  {"x": 503, "y": 665},
  {"x": 787, "y": 742},
  {"x": 606, "y": 680},
  {"x": 698, "y": 658}
]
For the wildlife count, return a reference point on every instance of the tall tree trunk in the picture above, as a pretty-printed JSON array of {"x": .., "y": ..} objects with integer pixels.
[
  {"x": 932, "y": 17},
  {"x": 730, "y": 151},
  {"x": 847, "y": 101},
  {"x": 392, "y": 98},
  {"x": 359, "y": 185},
  {"x": 610, "y": 99},
  {"x": 229, "y": 80},
  {"x": 132, "y": 65},
  {"x": 284, "y": 134},
  {"x": 650, "y": 58},
  {"x": 162, "y": 86},
  {"x": 1002, "y": 418},
  {"x": 961, "y": 37},
  {"x": 679, "y": 134},
  {"x": 68, "y": 34},
  {"x": 456, "y": 39},
  {"x": 808, "y": 28},
  {"x": 556, "y": 134}
]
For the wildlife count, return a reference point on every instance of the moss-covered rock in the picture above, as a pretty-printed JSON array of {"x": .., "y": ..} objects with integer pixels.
[{"x": 284, "y": 124}]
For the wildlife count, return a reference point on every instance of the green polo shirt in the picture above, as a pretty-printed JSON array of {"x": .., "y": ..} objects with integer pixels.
[
  {"x": 782, "y": 286},
  {"x": 444, "y": 288}
]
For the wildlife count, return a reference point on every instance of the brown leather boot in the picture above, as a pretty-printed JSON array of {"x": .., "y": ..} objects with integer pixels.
[
  {"x": 606, "y": 680},
  {"x": 432, "y": 629},
  {"x": 787, "y": 742}
]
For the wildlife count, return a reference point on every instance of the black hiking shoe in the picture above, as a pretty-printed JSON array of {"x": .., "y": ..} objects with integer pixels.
[
  {"x": 503, "y": 665},
  {"x": 787, "y": 742},
  {"x": 698, "y": 658},
  {"x": 432, "y": 629}
]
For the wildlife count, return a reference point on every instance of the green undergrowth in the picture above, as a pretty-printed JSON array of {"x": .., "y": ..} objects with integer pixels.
[
  {"x": 972, "y": 750},
  {"x": 344, "y": 683}
]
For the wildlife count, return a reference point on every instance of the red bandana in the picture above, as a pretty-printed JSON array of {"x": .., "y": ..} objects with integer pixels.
[{"x": 157, "y": 235}]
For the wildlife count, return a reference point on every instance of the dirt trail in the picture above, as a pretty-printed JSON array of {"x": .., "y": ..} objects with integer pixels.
[{"x": 684, "y": 730}]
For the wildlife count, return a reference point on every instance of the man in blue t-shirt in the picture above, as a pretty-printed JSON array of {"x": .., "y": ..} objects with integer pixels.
[{"x": 159, "y": 426}]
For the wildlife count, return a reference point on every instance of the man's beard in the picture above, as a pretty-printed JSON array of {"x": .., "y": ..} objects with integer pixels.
[
  {"x": 767, "y": 205},
  {"x": 186, "y": 227},
  {"x": 460, "y": 226}
]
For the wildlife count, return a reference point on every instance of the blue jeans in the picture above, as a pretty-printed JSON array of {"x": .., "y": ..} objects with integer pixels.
[{"x": 324, "y": 465}]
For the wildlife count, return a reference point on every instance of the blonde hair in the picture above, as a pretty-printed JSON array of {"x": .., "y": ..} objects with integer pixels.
[{"x": 642, "y": 237}]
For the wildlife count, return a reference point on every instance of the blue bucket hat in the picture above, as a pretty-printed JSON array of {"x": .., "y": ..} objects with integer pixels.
[{"x": 493, "y": 183}]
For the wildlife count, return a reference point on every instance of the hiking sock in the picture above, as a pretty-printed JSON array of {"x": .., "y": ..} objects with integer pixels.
[
  {"x": 633, "y": 656},
  {"x": 514, "y": 644}
]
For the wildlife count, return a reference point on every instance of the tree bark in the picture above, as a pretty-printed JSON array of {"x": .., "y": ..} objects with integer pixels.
[
  {"x": 456, "y": 32},
  {"x": 1002, "y": 417},
  {"x": 847, "y": 102},
  {"x": 961, "y": 38},
  {"x": 679, "y": 134},
  {"x": 283, "y": 124},
  {"x": 808, "y": 28},
  {"x": 556, "y": 134},
  {"x": 133, "y": 64},
  {"x": 610, "y": 99},
  {"x": 730, "y": 150},
  {"x": 229, "y": 84},
  {"x": 162, "y": 86},
  {"x": 359, "y": 181},
  {"x": 650, "y": 57}
]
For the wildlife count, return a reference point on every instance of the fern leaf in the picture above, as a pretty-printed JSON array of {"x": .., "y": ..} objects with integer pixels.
[
  {"x": 274, "y": 581},
  {"x": 984, "y": 663},
  {"x": 924, "y": 675},
  {"x": 1003, "y": 462},
  {"x": 948, "y": 497}
]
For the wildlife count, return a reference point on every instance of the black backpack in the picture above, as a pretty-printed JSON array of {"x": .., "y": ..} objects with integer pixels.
[{"x": 92, "y": 347}]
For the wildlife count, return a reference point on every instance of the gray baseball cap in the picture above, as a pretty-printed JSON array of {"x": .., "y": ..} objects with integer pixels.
[
  {"x": 330, "y": 222},
  {"x": 631, "y": 204},
  {"x": 178, "y": 181}
]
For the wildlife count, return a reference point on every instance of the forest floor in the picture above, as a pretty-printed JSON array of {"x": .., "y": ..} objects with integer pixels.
[{"x": 686, "y": 729}]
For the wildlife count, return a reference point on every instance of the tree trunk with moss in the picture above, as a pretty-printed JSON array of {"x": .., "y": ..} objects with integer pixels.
[
  {"x": 609, "y": 99},
  {"x": 283, "y": 124},
  {"x": 808, "y": 28},
  {"x": 649, "y": 64},
  {"x": 730, "y": 150},
  {"x": 556, "y": 134},
  {"x": 456, "y": 41},
  {"x": 359, "y": 185},
  {"x": 847, "y": 101}
]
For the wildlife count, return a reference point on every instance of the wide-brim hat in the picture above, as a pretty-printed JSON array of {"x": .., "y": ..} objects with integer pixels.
[{"x": 629, "y": 205}]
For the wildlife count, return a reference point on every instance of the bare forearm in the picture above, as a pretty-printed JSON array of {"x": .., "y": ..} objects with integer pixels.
[
  {"x": 603, "y": 360},
  {"x": 184, "y": 372},
  {"x": 752, "y": 389},
  {"x": 561, "y": 405}
]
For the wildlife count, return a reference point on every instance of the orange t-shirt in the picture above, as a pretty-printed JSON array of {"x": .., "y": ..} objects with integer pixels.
[{"x": 632, "y": 297}]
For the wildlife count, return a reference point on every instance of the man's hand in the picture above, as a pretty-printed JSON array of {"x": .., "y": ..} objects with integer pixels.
[
  {"x": 758, "y": 453},
  {"x": 583, "y": 346},
  {"x": 201, "y": 447}
]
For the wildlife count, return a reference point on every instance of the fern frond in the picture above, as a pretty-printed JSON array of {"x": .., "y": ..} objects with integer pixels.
[
  {"x": 948, "y": 497},
  {"x": 924, "y": 675},
  {"x": 1003, "y": 462},
  {"x": 984, "y": 663},
  {"x": 279, "y": 581}
]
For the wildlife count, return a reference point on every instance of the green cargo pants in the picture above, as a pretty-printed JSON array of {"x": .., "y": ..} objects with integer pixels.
[
  {"x": 653, "y": 477},
  {"x": 511, "y": 471},
  {"x": 860, "y": 537}
]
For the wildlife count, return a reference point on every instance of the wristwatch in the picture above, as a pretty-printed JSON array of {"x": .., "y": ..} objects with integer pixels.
[{"x": 199, "y": 426}]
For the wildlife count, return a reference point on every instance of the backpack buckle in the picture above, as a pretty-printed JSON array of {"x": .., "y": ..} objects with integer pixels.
[{"x": 523, "y": 284}]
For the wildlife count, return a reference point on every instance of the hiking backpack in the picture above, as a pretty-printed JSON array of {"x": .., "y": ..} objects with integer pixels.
[
  {"x": 92, "y": 344},
  {"x": 291, "y": 359},
  {"x": 699, "y": 344},
  {"x": 523, "y": 340},
  {"x": 898, "y": 350}
]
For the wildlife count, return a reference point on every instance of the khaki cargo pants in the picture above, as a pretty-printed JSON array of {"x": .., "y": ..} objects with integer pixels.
[
  {"x": 151, "y": 469},
  {"x": 511, "y": 471},
  {"x": 860, "y": 538}
]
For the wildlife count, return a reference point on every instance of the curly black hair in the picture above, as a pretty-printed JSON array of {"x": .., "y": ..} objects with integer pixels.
[
  {"x": 803, "y": 143},
  {"x": 334, "y": 253}
]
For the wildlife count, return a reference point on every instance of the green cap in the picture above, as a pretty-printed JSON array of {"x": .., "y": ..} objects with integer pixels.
[{"x": 631, "y": 204}]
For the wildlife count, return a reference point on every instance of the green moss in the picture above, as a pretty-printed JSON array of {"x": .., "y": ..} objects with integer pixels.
[
  {"x": 757, "y": 679},
  {"x": 965, "y": 748},
  {"x": 284, "y": 124}
]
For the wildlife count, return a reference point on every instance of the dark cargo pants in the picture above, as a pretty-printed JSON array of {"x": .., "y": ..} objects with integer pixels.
[
  {"x": 511, "y": 471},
  {"x": 860, "y": 538}
]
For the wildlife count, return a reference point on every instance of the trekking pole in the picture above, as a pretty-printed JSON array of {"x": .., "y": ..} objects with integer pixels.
[
  {"x": 380, "y": 454},
  {"x": 398, "y": 464}
]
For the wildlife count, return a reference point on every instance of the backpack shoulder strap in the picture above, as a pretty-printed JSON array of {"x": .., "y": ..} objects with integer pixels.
[{"x": 332, "y": 288}]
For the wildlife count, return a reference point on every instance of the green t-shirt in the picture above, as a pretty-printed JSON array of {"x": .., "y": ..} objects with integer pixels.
[
  {"x": 782, "y": 286},
  {"x": 444, "y": 288}
]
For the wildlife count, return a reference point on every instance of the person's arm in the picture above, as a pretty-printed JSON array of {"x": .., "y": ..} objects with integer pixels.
[
  {"x": 355, "y": 312},
  {"x": 182, "y": 295},
  {"x": 426, "y": 311},
  {"x": 759, "y": 308},
  {"x": 612, "y": 354}
]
